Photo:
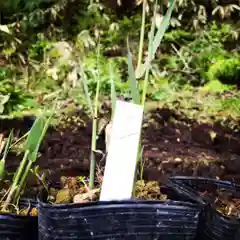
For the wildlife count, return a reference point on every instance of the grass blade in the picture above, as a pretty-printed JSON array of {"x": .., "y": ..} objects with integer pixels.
[{"x": 132, "y": 78}]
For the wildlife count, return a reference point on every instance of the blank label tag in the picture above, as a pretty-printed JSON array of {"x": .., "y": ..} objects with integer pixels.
[{"x": 123, "y": 150}]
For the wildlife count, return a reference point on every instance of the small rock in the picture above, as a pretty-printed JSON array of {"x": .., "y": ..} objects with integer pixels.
[
  {"x": 91, "y": 195},
  {"x": 178, "y": 160}
]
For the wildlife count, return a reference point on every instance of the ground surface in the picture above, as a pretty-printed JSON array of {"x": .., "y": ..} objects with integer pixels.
[{"x": 173, "y": 145}]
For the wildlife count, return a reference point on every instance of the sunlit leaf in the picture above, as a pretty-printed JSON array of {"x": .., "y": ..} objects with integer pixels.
[{"x": 5, "y": 29}]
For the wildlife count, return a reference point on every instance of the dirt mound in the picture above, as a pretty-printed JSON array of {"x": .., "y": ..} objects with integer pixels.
[{"x": 176, "y": 145}]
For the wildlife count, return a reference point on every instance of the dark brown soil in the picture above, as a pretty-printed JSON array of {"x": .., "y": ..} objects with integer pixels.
[{"x": 173, "y": 145}]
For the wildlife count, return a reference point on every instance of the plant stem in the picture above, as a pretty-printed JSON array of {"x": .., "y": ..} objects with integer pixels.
[
  {"x": 94, "y": 127},
  {"x": 145, "y": 84},
  {"x": 22, "y": 181},
  {"x": 92, "y": 170},
  {"x": 93, "y": 147},
  {"x": 141, "y": 41},
  {"x": 16, "y": 179}
]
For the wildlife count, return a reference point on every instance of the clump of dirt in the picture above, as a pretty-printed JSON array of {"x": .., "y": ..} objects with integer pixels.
[
  {"x": 149, "y": 191},
  {"x": 72, "y": 190}
]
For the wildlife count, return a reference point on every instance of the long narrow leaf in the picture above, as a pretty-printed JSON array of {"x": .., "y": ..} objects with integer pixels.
[
  {"x": 150, "y": 56},
  {"x": 141, "y": 40},
  {"x": 86, "y": 91},
  {"x": 157, "y": 39},
  {"x": 33, "y": 156},
  {"x": 36, "y": 135},
  {"x": 163, "y": 27},
  {"x": 113, "y": 90},
  {"x": 132, "y": 78}
]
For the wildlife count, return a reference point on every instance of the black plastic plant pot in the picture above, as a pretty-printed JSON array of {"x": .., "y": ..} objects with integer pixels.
[
  {"x": 19, "y": 227},
  {"x": 212, "y": 224},
  {"x": 131, "y": 219}
]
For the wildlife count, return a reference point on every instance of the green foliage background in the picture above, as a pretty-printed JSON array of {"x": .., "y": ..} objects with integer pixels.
[{"x": 200, "y": 50}]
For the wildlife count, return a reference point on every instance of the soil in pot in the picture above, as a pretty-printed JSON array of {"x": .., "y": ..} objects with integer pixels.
[
  {"x": 151, "y": 215},
  {"x": 25, "y": 207},
  {"x": 20, "y": 222},
  {"x": 73, "y": 190},
  {"x": 225, "y": 202}
]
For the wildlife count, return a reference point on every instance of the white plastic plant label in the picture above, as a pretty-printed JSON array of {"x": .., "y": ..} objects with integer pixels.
[{"x": 122, "y": 154}]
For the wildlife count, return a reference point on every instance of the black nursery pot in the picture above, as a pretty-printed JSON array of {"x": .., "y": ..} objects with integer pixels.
[
  {"x": 131, "y": 219},
  {"x": 19, "y": 227},
  {"x": 212, "y": 224}
]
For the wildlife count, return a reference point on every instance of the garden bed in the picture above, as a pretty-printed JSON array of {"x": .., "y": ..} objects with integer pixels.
[{"x": 173, "y": 145}]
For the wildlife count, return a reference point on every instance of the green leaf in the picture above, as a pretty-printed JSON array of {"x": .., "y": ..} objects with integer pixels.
[
  {"x": 35, "y": 136},
  {"x": 149, "y": 58},
  {"x": 6, "y": 150},
  {"x": 8, "y": 144},
  {"x": 2, "y": 168},
  {"x": 162, "y": 28},
  {"x": 132, "y": 78},
  {"x": 154, "y": 42},
  {"x": 86, "y": 91},
  {"x": 113, "y": 89},
  {"x": 5, "y": 29}
]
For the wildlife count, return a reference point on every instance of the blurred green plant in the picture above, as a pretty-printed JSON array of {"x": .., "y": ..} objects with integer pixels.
[
  {"x": 31, "y": 148},
  {"x": 225, "y": 70},
  {"x": 12, "y": 96},
  {"x": 195, "y": 61}
]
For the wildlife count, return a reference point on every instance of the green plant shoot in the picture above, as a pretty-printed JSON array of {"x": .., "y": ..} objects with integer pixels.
[
  {"x": 94, "y": 114},
  {"x": 33, "y": 142},
  {"x": 5, "y": 153}
]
